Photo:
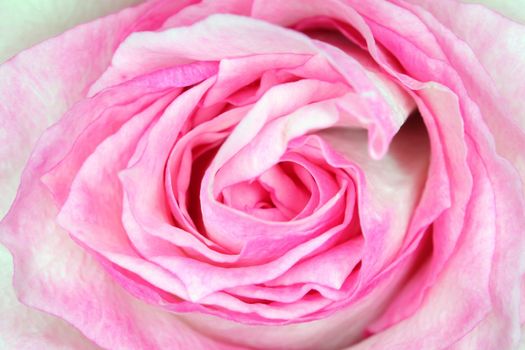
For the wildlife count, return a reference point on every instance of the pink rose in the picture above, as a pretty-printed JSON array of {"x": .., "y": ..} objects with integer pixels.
[{"x": 240, "y": 174}]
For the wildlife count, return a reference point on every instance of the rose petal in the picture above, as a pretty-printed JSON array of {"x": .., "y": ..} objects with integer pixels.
[
  {"x": 73, "y": 286},
  {"x": 22, "y": 327},
  {"x": 334, "y": 331},
  {"x": 60, "y": 76},
  {"x": 87, "y": 290},
  {"x": 498, "y": 40},
  {"x": 93, "y": 208},
  {"x": 396, "y": 178},
  {"x": 34, "y": 21},
  {"x": 87, "y": 298},
  {"x": 461, "y": 71},
  {"x": 194, "y": 13},
  {"x": 444, "y": 226},
  {"x": 221, "y": 36},
  {"x": 333, "y": 274},
  {"x": 459, "y": 299}
]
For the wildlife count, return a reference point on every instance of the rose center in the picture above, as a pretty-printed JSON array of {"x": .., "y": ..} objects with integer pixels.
[{"x": 281, "y": 193}]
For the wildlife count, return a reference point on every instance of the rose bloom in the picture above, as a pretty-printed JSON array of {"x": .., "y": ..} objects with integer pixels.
[{"x": 237, "y": 174}]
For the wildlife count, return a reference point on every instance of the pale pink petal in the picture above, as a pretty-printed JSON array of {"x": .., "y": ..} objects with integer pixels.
[
  {"x": 418, "y": 56},
  {"x": 272, "y": 105},
  {"x": 266, "y": 148},
  {"x": 459, "y": 299},
  {"x": 329, "y": 263},
  {"x": 26, "y": 23},
  {"x": 285, "y": 294},
  {"x": 498, "y": 45},
  {"x": 440, "y": 217},
  {"x": 236, "y": 73},
  {"x": 398, "y": 177},
  {"x": 22, "y": 327},
  {"x": 479, "y": 104},
  {"x": 220, "y": 36},
  {"x": 73, "y": 285},
  {"x": 203, "y": 9},
  {"x": 92, "y": 211},
  {"x": 82, "y": 294},
  {"x": 89, "y": 123},
  {"x": 335, "y": 331},
  {"x": 202, "y": 279},
  {"x": 76, "y": 288},
  {"x": 491, "y": 293},
  {"x": 59, "y": 76},
  {"x": 388, "y": 103},
  {"x": 461, "y": 71}
]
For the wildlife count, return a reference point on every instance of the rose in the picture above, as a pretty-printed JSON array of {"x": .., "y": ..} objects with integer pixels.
[
  {"x": 101, "y": 174},
  {"x": 402, "y": 327}
]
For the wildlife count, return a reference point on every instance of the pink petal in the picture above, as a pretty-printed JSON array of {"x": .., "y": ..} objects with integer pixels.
[
  {"x": 201, "y": 10},
  {"x": 87, "y": 297},
  {"x": 144, "y": 52},
  {"x": 335, "y": 331},
  {"x": 58, "y": 76},
  {"x": 24, "y": 24},
  {"x": 22, "y": 327},
  {"x": 459, "y": 299},
  {"x": 498, "y": 45}
]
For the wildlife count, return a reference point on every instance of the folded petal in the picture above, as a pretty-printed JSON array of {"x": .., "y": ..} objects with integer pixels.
[
  {"x": 223, "y": 35},
  {"x": 52, "y": 273},
  {"x": 67, "y": 66},
  {"x": 498, "y": 45}
]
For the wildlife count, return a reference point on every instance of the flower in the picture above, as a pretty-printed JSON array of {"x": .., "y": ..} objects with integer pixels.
[{"x": 266, "y": 174}]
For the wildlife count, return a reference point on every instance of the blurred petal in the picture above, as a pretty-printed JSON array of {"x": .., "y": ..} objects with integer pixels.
[
  {"x": 510, "y": 8},
  {"x": 22, "y": 327},
  {"x": 25, "y": 23}
]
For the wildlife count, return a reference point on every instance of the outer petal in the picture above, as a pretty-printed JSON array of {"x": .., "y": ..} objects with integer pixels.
[
  {"x": 510, "y": 8},
  {"x": 39, "y": 94},
  {"x": 45, "y": 81},
  {"x": 27, "y": 328},
  {"x": 499, "y": 94},
  {"x": 24, "y": 23},
  {"x": 498, "y": 45},
  {"x": 75, "y": 287},
  {"x": 57, "y": 276},
  {"x": 22, "y": 121},
  {"x": 455, "y": 302}
]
